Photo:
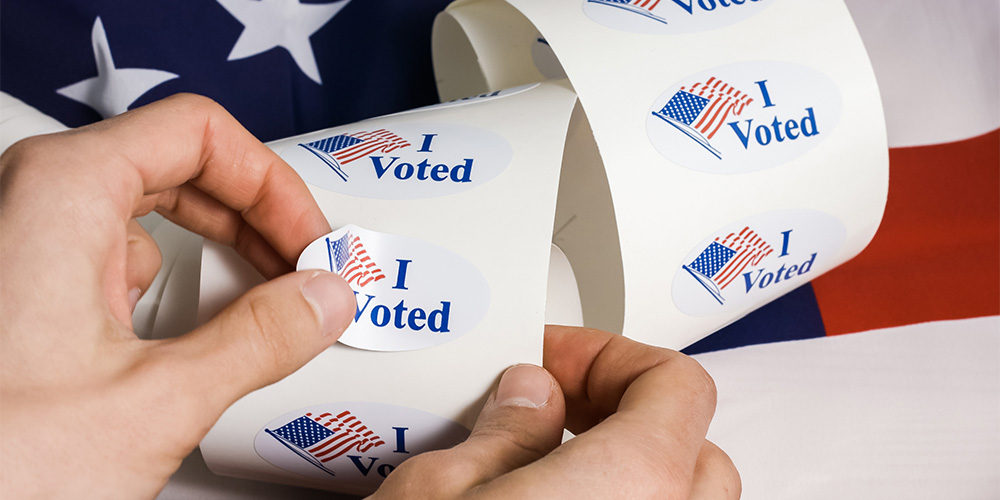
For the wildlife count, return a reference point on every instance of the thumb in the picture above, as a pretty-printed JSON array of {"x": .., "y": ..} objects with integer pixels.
[
  {"x": 264, "y": 335},
  {"x": 521, "y": 422}
]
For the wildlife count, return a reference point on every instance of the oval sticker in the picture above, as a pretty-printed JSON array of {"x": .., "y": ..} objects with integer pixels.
[
  {"x": 410, "y": 294},
  {"x": 665, "y": 17},
  {"x": 400, "y": 162},
  {"x": 355, "y": 444},
  {"x": 756, "y": 260},
  {"x": 743, "y": 117}
]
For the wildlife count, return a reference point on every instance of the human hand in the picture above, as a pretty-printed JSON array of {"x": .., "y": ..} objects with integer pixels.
[
  {"x": 640, "y": 414},
  {"x": 87, "y": 408}
]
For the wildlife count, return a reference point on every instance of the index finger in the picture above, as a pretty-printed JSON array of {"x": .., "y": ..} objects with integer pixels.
[
  {"x": 639, "y": 411},
  {"x": 602, "y": 373},
  {"x": 184, "y": 155},
  {"x": 191, "y": 139}
]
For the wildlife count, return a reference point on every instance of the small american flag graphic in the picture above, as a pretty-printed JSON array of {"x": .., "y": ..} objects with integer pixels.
[
  {"x": 340, "y": 150},
  {"x": 725, "y": 258},
  {"x": 322, "y": 438},
  {"x": 351, "y": 261},
  {"x": 641, "y": 7},
  {"x": 700, "y": 110}
]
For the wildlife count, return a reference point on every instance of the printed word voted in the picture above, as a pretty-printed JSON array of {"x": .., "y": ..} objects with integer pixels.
[
  {"x": 778, "y": 130},
  {"x": 382, "y": 469},
  {"x": 425, "y": 170},
  {"x": 762, "y": 278},
  {"x": 708, "y": 5},
  {"x": 402, "y": 316}
]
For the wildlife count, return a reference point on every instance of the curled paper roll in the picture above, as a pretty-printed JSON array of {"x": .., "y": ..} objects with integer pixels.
[
  {"x": 742, "y": 147},
  {"x": 19, "y": 120},
  {"x": 443, "y": 220}
]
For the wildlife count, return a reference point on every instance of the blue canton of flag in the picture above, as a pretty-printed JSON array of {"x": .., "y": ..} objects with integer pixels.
[
  {"x": 712, "y": 259},
  {"x": 700, "y": 110},
  {"x": 339, "y": 252},
  {"x": 708, "y": 264},
  {"x": 349, "y": 258},
  {"x": 342, "y": 149},
  {"x": 322, "y": 438},
  {"x": 681, "y": 111},
  {"x": 331, "y": 145},
  {"x": 723, "y": 260},
  {"x": 300, "y": 435},
  {"x": 684, "y": 107}
]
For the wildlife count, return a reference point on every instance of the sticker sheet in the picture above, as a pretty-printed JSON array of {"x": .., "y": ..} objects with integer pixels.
[
  {"x": 443, "y": 226},
  {"x": 729, "y": 140}
]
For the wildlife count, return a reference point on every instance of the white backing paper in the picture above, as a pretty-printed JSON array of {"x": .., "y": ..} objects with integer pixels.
[
  {"x": 703, "y": 115},
  {"x": 498, "y": 225}
]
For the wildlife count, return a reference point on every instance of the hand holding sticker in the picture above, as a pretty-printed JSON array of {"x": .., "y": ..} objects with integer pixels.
[{"x": 87, "y": 406}]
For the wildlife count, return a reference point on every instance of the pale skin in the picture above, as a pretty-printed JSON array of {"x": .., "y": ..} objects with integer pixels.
[{"x": 88, "y": 409}]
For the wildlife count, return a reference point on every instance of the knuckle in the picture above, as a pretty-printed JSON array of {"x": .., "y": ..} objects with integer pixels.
[
  {"x": 272, "y": 348},
  {"x": 701, "y": 384},
  {"x": 664, "y": 476},
  {"x": 23, "y": 156},
  {"x": 520, "y": 446},
  {"x": 143, "y": 246},
  {"x": 723, "y": 471},
  {"x": 194, "y": 102}
]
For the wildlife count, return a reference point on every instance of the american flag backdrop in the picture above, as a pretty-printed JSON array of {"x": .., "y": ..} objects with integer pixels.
[
  {"x": 342, "y": 149},
  {"x": 350, "y": 259},
  {"x": 373, "y": 58},
  {"x": 281, "y": 67},
  {"x": 934, "y": 259}
]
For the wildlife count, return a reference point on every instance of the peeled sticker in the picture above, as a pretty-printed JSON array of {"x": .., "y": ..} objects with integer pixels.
[
  {"x": 356, "y": 444},
  {"x": 755, "y": 260},
  {"x": 665, "y": 17},
  {"x": 410, "y": 294},
  {"x": 744, "y": 117},
  {"x": 400, "y": 162}
]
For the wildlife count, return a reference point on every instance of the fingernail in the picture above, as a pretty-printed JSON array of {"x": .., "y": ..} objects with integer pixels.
[
  {"x": 133, "y": 298},
  {"x": 524, "y": 385},
  {"x": 332, "y": 299}
]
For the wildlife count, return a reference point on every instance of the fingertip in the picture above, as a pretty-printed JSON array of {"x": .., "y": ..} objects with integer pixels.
[
  {"x": 333, "y": 302},
  {"x": 526, "y": 386}
]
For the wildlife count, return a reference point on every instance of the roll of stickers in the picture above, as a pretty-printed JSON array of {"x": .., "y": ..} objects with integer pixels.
[
  {"x": 444, "y": 226},
  {"x": 742, "y": 147},
  {"x": 19, "y": 121}
]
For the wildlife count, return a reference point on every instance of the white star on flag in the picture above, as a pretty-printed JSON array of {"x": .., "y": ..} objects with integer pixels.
[
  {"x": 113, "y": 90},
  {"x": 281, "y": 23}
]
